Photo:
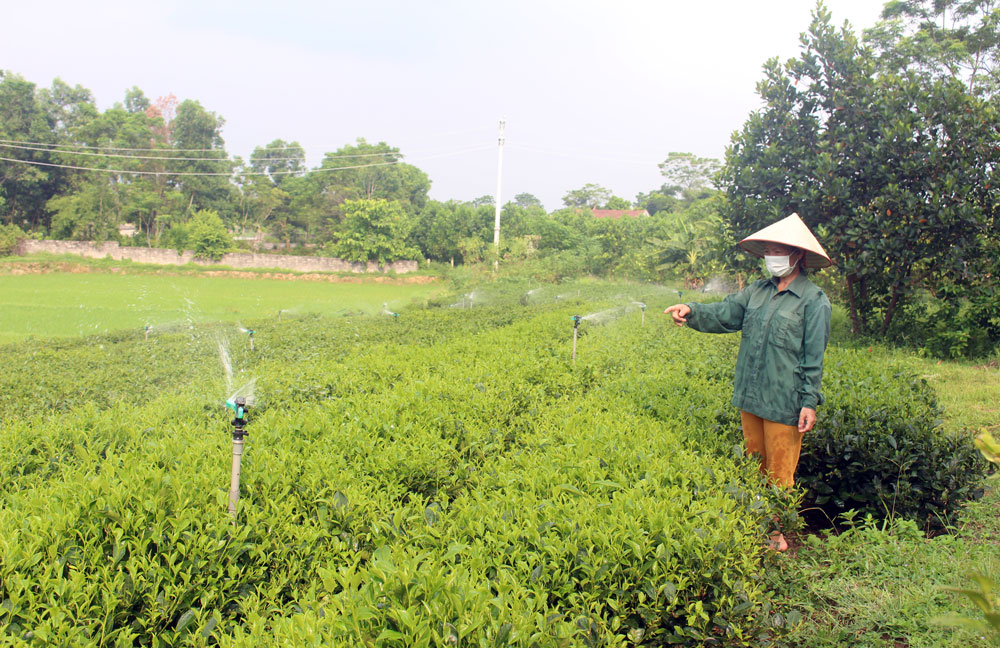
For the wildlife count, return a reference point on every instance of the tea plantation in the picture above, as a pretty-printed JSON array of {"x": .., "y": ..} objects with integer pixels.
[{"x": 448, "y": 477}]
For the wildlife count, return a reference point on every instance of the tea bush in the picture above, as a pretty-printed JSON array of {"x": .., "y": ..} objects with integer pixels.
[
  {"x": 447, "y": 477},
  {"x": 444, "y": 477},
  {"x": 879, "y": 448}
]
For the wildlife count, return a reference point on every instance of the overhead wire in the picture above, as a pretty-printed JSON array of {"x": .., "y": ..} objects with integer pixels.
[
  {"x": 212, "y": 150},
  {"x": 141, "y": 150},
  {"x": 64, "y": 151},
  {"x": 252, "y": 173}
]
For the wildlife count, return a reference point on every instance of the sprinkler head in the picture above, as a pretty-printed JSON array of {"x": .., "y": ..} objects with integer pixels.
[
  {"x": 250, "y": 332},
  {"x": 240, "y": 408},
  {"x": 238, "y": 405},
  {"x": 576, "y": 320}
]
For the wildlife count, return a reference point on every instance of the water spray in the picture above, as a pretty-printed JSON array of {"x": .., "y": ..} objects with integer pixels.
[
  {"x": 576, "y": 327},
  {"x": 239, "y": 407},
  {"x": 385, "y": 309}
]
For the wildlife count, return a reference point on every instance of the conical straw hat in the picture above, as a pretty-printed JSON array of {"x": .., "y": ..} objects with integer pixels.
[{"x": 789, "y": 231}]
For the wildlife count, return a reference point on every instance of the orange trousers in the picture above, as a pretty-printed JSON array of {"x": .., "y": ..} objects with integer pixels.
[{"x": 777, "y": 445}]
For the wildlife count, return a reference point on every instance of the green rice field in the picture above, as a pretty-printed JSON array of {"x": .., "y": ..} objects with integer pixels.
[{"x": 70, "y": 305}]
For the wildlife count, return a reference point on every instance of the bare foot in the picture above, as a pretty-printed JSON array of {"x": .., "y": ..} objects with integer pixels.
[{"x": 777, "y": 542}]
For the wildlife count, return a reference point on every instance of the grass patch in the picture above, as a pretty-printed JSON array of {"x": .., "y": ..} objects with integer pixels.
[
  {"x": 869, "y": 584},
  {"x": 879, "y": 584}
]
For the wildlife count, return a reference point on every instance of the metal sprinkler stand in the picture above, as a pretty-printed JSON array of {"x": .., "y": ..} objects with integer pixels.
[
  {"x": 147, "y": 331},
  {"x": 250, "y": 332},
  {"x": 239, "y": 406},
  {"x": 642, "y": 307},
  {"x": 576, "y": 326}
]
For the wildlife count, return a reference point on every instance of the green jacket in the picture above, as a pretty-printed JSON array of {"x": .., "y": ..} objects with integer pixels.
[{"x": 780, "y": 364}]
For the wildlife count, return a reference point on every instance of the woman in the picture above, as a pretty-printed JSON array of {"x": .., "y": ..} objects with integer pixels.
[{"x": 786, "y": 324}]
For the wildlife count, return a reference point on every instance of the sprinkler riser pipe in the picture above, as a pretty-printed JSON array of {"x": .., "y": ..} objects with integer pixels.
[
  {"x": 234, "y": 482},
  {"x": 574, "y": 344}
]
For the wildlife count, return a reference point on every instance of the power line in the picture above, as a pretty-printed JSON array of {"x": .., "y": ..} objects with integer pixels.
[
  {"x": 62, "y": 151},
  {"x": 117, "y": 148},
  {"x": 168, "y": 157},
  {"x": 437, "y": 135},
  {"x": 230, "y": 174},
  {"x": 119, "y": 155},
  {"x": 187, "y": 173}
]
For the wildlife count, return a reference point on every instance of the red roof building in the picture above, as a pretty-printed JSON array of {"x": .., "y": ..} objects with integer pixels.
[{"x": 618, "y": 213}]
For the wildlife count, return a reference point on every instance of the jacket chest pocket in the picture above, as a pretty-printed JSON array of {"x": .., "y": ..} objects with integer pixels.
[{"x": 786, "y": 332}]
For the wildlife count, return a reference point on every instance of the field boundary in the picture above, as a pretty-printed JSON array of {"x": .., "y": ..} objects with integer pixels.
[{"x": 162, "y": 256}]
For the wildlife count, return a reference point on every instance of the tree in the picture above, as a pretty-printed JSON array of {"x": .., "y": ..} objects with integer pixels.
[
  {"x": 67, "y": 107},
  {"x": 954, "y": 38},
  {"x": 370, "y": 172},
  {"x": 197, "y": 133},
  {"x": 136, "y": 100},
  {"x": 207, "y": 235},
  {"x": 527, "y": 200},
  {"x": 279, "y": 161},
  {"x": 26, "y": 186},
  {"x": 686, "y": 171},
  {"x": 615, "y": 202},
  {"x": 374, "y": 229},
  {"x": 589, "y": 195},
  {"x": 891, "y": 170}
]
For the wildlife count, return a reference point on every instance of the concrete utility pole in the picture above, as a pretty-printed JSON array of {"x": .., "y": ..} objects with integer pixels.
[{"x": 496, "y": 225}]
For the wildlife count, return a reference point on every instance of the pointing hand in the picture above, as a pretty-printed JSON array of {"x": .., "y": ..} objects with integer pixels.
[{"x": 679, "y": 312}]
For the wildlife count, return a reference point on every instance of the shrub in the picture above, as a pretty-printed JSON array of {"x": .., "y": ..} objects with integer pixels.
[
  {"x": 10, "y": 236},
  {"x": 207, "y": 235},
  {"x": 879, "y": 448}
]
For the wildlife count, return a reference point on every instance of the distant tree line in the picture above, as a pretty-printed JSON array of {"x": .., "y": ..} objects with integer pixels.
[
  {"x": 887, "y": 144},
  {"x": 164, "y": 169}
]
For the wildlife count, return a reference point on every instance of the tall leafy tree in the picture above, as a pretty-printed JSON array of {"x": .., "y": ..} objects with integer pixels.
[
  {"x": 374, "y": 229},
  {"x": 26, "y": 187},
  {"x": 197, "y": 133},
  {"x": 954, "y": 38},
  {"x": 686, "y": 172},
  {"x": 279, "y": 161},
  {"x": 891, "y": 169},
  {"x": 370, "y": 172},
  {"x": 589, "y": 195},
  {"x": 527, "y": 200}
]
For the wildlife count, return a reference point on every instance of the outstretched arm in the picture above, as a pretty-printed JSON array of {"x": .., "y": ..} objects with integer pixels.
[{"x": 721, "y": 317}]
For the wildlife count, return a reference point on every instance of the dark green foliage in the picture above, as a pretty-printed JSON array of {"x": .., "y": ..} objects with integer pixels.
[
  {"x": 207, "y": 235},
  {"x": 892, "y": 168},
  {"x": 879, "y": 448},
  {"x": 10, "y": 236}
]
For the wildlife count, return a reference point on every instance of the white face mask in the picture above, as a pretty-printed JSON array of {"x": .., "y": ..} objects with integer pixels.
[{"x": 779, "y": 266}]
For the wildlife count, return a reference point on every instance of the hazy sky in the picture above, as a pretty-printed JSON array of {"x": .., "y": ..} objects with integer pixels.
[{"x": 591, "y": 91}]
